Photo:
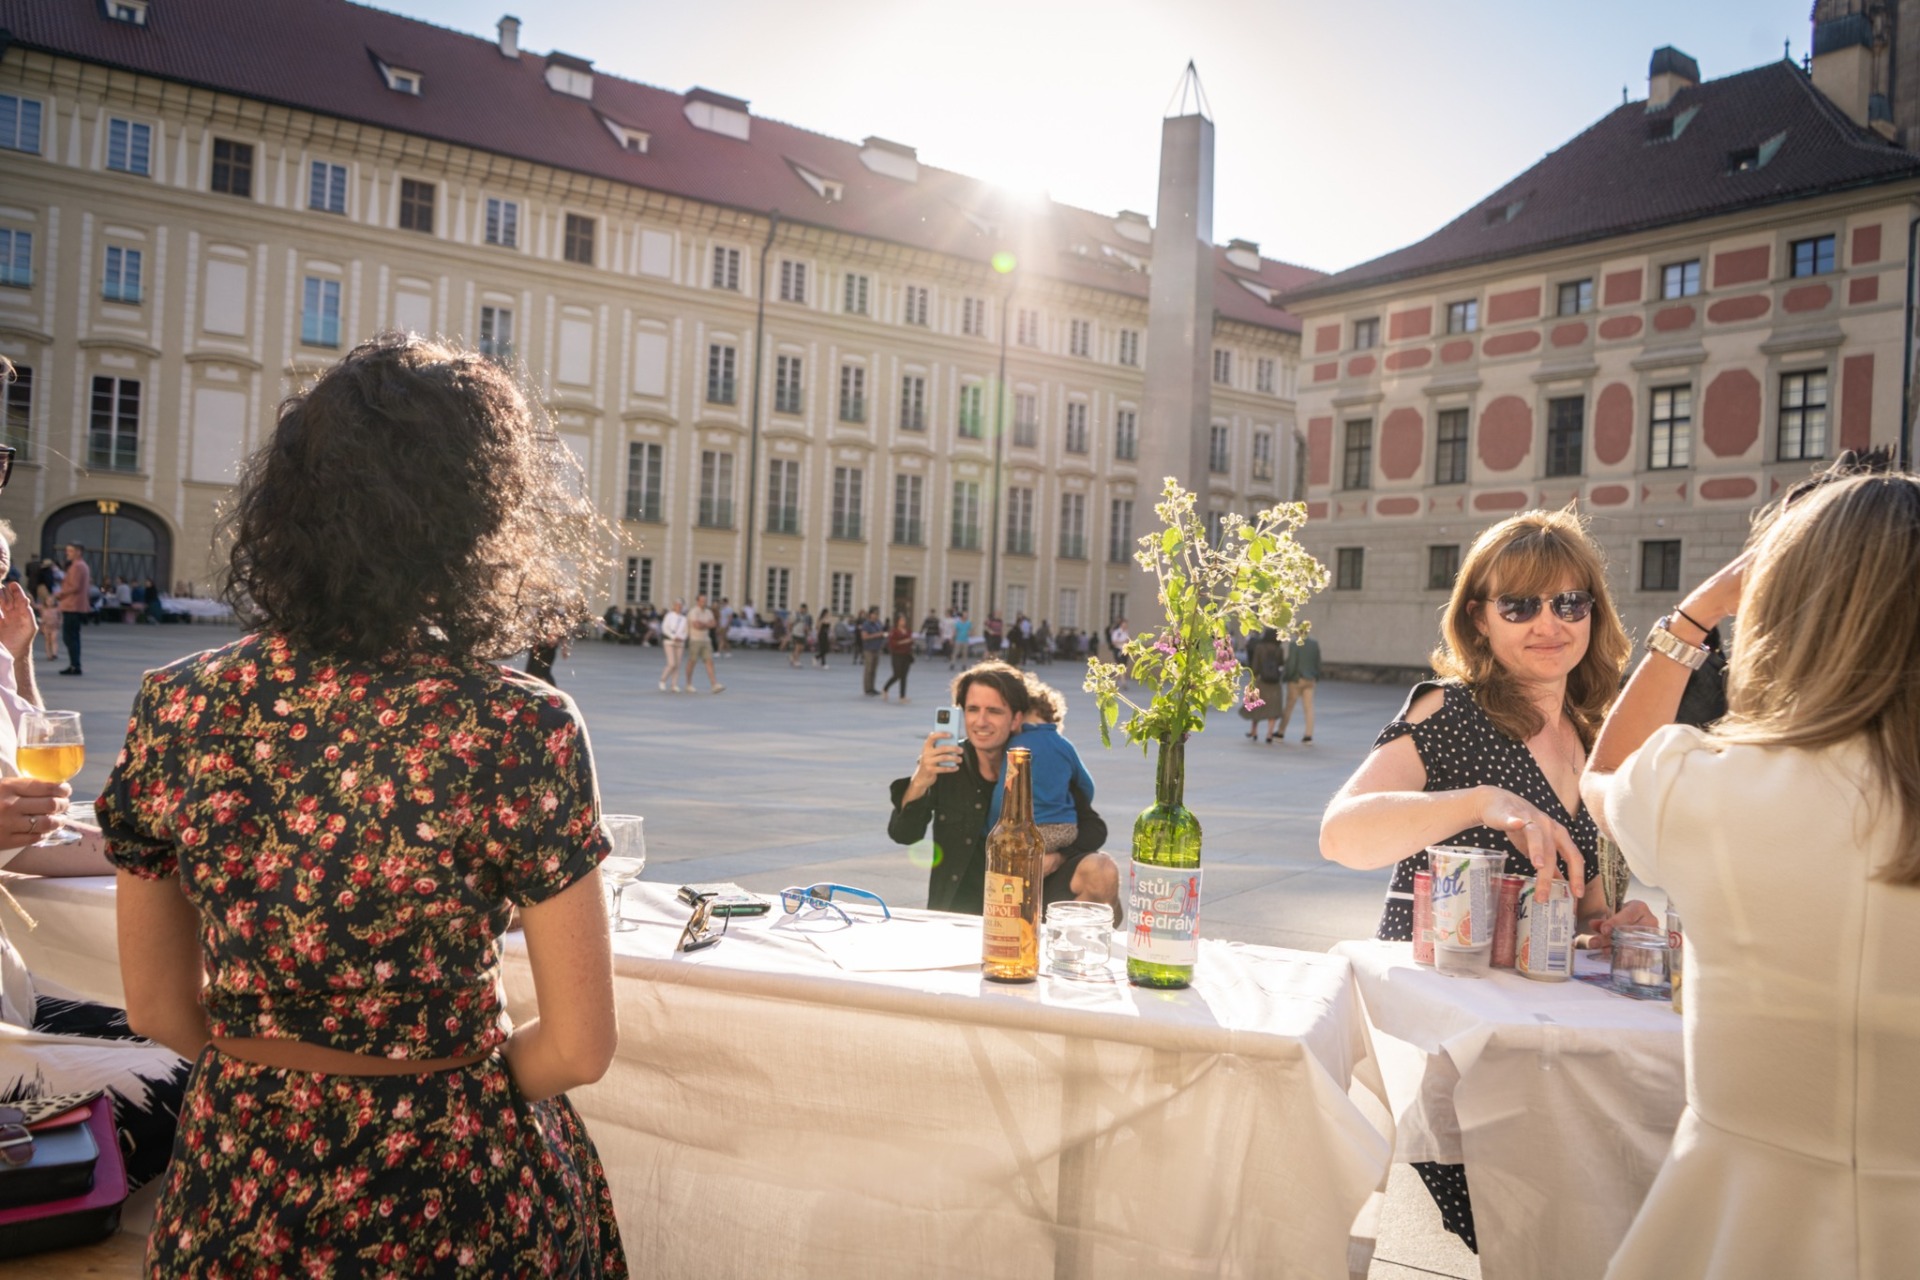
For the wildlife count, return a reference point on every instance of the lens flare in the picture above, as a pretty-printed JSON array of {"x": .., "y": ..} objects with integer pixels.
[
  {"x": 1003, "y": 262},
  {"x": 926, "y": 855}
]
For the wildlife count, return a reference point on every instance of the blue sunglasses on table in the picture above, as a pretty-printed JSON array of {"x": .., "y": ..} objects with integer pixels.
[{"x": 819, "y": 897}]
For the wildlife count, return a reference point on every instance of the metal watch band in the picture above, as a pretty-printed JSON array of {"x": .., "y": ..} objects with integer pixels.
[{"x": 1663, "y": 641}]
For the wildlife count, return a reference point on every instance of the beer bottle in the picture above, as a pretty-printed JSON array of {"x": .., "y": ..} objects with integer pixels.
[{"x": 1010, "y": 912}]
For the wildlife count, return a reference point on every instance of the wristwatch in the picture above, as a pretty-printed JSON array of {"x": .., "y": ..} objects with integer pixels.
[{"x": 1662, "y": 641}]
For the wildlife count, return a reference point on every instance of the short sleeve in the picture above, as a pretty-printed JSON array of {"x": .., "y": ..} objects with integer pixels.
[
  {"x": 548, "y": 820},
  {"x": 1423, "y": 732},
  {"x": 1636, "y": 800},
  {"x": 136, "y": 807}
]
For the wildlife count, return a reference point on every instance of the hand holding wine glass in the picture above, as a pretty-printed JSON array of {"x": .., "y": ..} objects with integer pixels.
[{"x": 52, "y": 749}]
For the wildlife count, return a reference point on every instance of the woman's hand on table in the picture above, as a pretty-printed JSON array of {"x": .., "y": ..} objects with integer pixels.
[
  {"x": 1633, "y": 914},
  {"x": 1540, "y": 839}
]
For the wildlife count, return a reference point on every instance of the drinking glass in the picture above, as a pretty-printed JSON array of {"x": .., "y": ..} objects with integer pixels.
[
  {"x": 1079, "y": 938},
  {"x": 623, "y": 865},
  {"x": 52, "y": 749}
]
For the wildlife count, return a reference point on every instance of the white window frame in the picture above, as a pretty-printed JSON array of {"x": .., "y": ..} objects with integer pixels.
[
  {"x": 129, "y": 146},
  {"x": 326, "y": 184},
  {"x": 501, "y": 226}
]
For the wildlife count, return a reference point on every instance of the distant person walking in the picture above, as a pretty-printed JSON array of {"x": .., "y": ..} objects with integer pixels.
[
  {"x": 673, "y": 640},
  {"x": 873, "y": 642},
  {"x": 900, "y": 649},
  {"x": 1269, "y": 690},
  {"x": 1303, "y": 673},
  {"x": 1118, "y": 638},
  {"x": 76, "y": 602},
  {"x": 823, "y": 640},
  {"x": 962, "y": 641},
  {"x": 46, "y": 594},
  {"x": 700, "y": 628},
  {"x": 800, "y": 639}
]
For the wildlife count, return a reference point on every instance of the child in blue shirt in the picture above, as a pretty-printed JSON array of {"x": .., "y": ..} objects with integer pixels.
[{"x": 1055, "y": 767}]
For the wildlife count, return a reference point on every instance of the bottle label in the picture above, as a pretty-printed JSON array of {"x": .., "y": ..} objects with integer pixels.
[
  {"x": 1163, "y": 913},
  {"x": 1002, "y": 926}
]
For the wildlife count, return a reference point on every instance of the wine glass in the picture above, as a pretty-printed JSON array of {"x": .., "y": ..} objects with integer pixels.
[
  {"x": 52, "y": 749},
  {"x": 623, "y": 865}
]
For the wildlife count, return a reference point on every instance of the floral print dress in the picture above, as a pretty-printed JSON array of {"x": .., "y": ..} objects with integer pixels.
[{"x": 354, "y": 836}]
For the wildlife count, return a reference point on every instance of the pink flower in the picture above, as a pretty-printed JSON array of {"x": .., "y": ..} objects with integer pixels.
[{"x": 1253, "y": 700}]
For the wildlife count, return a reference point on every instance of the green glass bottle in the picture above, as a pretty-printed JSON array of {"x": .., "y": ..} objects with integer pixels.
[{"x": 1163, "y": 882}]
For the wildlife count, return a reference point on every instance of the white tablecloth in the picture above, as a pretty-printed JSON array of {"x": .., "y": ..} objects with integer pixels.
[
  {"x": 1560, "y": 1098},
  {"x": 770, "y": 1114}
]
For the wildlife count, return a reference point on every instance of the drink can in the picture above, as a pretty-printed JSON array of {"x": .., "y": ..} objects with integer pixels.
[
  {"x": 1544, "y": 936},
  {"x": 1506, "y": 919},
  {"x": 1676, "y": 949},
  {"x": 1463, "y": 902},
  {"x": 1423, "y": 917}
]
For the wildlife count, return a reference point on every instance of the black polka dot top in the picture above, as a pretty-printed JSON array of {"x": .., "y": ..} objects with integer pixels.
[{"x": 1461, "y": 748}]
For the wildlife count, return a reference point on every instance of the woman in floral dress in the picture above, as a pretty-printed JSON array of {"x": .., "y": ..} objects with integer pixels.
[{"x": 328, "y": 824}]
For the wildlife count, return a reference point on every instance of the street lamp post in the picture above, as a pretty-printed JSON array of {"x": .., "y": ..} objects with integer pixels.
[{"x": 1004, "y": 263}]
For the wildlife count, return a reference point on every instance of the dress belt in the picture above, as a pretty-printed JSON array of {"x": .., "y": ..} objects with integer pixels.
[{"x": 298, "y": 1055}]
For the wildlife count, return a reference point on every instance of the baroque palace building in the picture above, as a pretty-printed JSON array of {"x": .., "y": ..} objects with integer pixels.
[
  {"x": 1700, "y": 299},
  {"x": 787, "y": 363}
]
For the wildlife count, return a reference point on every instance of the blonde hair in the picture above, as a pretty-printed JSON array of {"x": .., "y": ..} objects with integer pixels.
[
  {"x": 1531, "y": 554},
  {"x": 1044, "y": 700},
  {"x": 1829, "y": 640}
]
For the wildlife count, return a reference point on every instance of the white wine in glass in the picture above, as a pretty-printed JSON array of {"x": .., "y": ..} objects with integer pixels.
[{"x": 52, "y": 749}]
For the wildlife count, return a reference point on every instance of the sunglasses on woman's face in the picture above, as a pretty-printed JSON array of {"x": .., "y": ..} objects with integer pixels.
[{"x": 1568, "y": 606}]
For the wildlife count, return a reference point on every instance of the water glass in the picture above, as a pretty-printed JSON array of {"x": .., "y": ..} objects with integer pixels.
[
  {"x": 623, "y": 864},
  {"x": 1640, "y": 963},
  {"x": 1079, "y": 939}
]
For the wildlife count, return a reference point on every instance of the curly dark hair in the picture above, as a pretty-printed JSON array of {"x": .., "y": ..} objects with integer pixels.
[{"x": 412, "y": 500}]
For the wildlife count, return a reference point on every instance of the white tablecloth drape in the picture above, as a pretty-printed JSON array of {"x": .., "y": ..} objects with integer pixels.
[{"x": 1560, "y": 1098}]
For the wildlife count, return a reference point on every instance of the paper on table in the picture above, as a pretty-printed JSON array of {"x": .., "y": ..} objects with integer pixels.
[{"x": 873, "y": 946}]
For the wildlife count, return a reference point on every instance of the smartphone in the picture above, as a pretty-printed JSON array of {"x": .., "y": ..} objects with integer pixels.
[
  {"x": 728, "y": 899},
  {"x": 951, "y": 720}
]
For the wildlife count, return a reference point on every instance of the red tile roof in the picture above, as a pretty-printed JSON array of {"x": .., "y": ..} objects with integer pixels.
[
  {"x": 314, "y": 55},
  {"x": 1615, "y": 178}
]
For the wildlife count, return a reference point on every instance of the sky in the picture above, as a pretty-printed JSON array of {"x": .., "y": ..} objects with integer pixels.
[{"x": 1343, "y": 130}]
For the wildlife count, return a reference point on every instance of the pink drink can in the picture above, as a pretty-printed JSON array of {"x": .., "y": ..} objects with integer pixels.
[
  {"x": 1423, "y": 917},
  {"x": 1506, "y": 919},
  {"x": 1463, "y": 907}
]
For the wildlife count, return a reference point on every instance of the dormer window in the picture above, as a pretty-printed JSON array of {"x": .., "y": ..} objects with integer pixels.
[
  {"x": 824, "y": 187},
  {"x": 132, "y": 12},
  {"x": 629, "y": 138},
  {"x": 1667, "y": 128},
  {"x": 570, "y": 75},
  {"x": 398, "y": 79},
  {"x": 717, "y": 113},
  {"x": 1747, "y": 159}
]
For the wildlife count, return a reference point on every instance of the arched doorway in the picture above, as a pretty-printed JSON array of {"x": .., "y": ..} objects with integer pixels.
[{"x": 120, "y": 541}]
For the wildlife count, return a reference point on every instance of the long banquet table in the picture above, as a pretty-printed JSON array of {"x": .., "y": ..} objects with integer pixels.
[
  {"x": 1560, "y": 1098},
  {"x": 771, "y": 1113}
]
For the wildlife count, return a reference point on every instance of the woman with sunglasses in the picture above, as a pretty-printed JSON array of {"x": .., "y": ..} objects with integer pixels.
[{"x": 1490, "y": 754}]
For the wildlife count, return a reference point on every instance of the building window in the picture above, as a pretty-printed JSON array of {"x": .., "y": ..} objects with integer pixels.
[
  {"x": 320, "y": 313},
  {"x": 1660, "y": 565},
  {"x": 913, "y": 402},
  {"x": 1126, "y": 435},
  {"x": 1263, "y": 455},
  {"x": 1223, "y": 367},
  {"x": 113, "y": 436},
  {"x": 1680, "y": 279},
  {"x": 1366, "y": 333},
  {"x": 1575, "y": 298},
  {"x": 1020, "y": 522},
  {"x": 1026, "y": 419},
  {"x": 496, "y": 333},
  {"x": 1027, "y": 333},
  {"x": 972, "y": 410},
  {"x": 1130, "y": 347},
  {"x": 1263, "y": 375},
  {"x": 1219, "y": 450},
  {"x": 847, "y": 485},
  {"x": 327, "y": 187},
  {"x": 1566, "y": 435},
  {"x": 853, "y": 393},
  {"x": 716, "y": 489},
  {"x": 1356, "y": 460},
  {"x": 1450, "y": 447},
  {"x": 726, "y": 269},
  {"x": 1670, "y": 434},
  {"x": 121, "y": 280},
  {"x": 1076, "y": 438},
  {"x": 1069, "y": 615},
  {"x": 129, "y": 147},
  {"x": 908, "y": 527},
  {"x": 133, "y": 12},
  {"x": 783, "y": 496},
  {"x": 793, "y": 281},
  {"x": 1463, "y": 317},
  {"x": 720, "y": 359},
  {"x": 1073, "y": 526},
  {"x": 1803, "y": 415},
  {"x": 579, "y": 240},
  {"x": 1443, "y": 567},
  {"x": 966, "y": 515},
  {"x": 639, "y": 584},
  {"x": 1116, "y": 606},
  {"x": 914, "y": 305},
  {"x": 854, "y": 298},
  {"x": 1216, "y": 525},
  {"x": 503, "y": 223},
  {"x": 1080, "y": 337},
  {"x": 19, "y": 123},
  {"x": 232, "y": 168},
  {"x": 960, "y": 596},
  {"x": 19, "y": 411},
  {"x": 787, "y": 392},
  {"x": 711, "y": 580},
  {"x": 1813, "y": 257},
  {"x": 973, "y": 317},
  {"x": 779, "y": 588},
  {"x": 840, "y": 593},
  {"x": 643, "y": 481},
  {"x": 16, "y": 258},
  {"x": 1120, "y": 531},
  {"x": 1350, "y": 565},
  {"x": 416, "y": 205}
]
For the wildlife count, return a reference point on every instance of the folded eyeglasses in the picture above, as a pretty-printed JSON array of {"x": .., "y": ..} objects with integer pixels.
[{"x": 700, "y": 932}]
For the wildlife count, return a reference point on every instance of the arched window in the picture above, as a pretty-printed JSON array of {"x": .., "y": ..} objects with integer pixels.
[{"x": 120, "y": 541}]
